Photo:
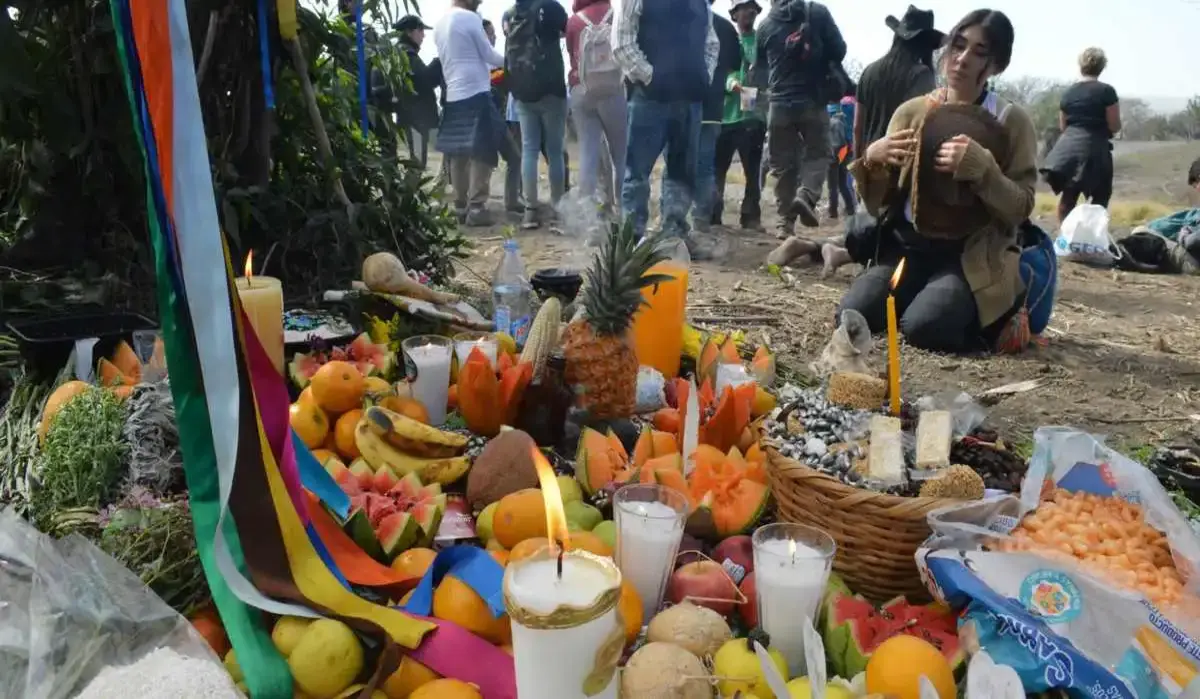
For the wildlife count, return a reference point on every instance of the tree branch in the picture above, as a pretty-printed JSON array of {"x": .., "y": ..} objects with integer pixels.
[{"x": 314, "y": 113}]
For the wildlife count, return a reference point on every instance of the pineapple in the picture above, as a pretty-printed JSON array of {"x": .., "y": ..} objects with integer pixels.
[{"x": 601, "y": 363}]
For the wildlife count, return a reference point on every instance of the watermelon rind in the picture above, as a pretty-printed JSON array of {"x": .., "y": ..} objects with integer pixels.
[
  {"x": 358, "y": 528},
  {"x": 370, "y": 358},
  {"x": 853, "y": 628},
  {"x": 301, "y": 369},
  {"x": 409, "y": 486},
  {"x": 397, "y": 533}
]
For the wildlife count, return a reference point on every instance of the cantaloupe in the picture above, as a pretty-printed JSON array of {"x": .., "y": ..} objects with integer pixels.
[
  {"x": 127, "y": 362},
  {"x": 652, "y": 444},
  {"x": 727, "y": 490},
  {"x": 58, "y": 398},
  {"x": 598, "y": 459},
  {"x": 110, "y": 375},
  {"x": 737, "y": 507}
]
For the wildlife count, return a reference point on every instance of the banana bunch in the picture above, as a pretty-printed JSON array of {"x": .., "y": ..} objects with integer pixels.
[{"x": 404, "y": 445}]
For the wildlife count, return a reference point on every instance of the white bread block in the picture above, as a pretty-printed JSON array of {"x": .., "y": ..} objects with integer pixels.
[
  {"x": 935, "y": 430},
  {"x": 886, "y": 453}
]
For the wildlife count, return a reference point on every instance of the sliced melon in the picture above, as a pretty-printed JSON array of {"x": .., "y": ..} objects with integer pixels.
[
  {"x": 643, "y": 450},
  {"x": 596, "y": 462},
  {"x": 737, "y": 509},
  {"x": 397, "y": 533},
  {"x": 362, "y": 471},
  {"x": 358, "y": 527},
  {"x": 384, "y": 479}
]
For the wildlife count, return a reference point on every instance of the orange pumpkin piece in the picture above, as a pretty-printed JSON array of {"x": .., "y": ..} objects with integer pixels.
[
  {"x": 479, "y": 395},
  {"x": 667, "y": 420},
  {"x": 110, "y": 375},
  {"x": 127, "y": 362}
]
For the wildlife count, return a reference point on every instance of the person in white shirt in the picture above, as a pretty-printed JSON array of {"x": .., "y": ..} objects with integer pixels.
[{"x": 472, "y": 128}]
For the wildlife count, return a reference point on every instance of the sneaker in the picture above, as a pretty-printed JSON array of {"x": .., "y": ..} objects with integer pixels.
[
  {"x": 478, "y": 218},
  {"x": 803, "y": 210},
  {"x": 698, "y": 250},
  {"x": 530, "y": 220}
]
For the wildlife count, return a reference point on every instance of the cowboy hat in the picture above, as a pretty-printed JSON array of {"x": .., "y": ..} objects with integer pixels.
[
  {"x": 913, "y": 24},
  {"x": 739, "y": 4}
]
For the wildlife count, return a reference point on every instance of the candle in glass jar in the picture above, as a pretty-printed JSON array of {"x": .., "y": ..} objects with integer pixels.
[
  {"x": 791, "y": 568},
  {"x": 427, "y": 365},
  {"x": 484, "y": 342},
  {"x": 650, "y": 520},
  {"x": 262, "y": 300},
  {"x": 566, "y": 635}
]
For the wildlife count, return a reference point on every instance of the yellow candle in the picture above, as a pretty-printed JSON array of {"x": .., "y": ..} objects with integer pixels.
[
  {"x": 893, "y": 345},
  {"x": 262, "y": 299}
]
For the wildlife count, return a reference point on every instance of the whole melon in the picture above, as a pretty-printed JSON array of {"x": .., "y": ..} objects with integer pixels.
[
  {"x": 665, "y": 671},
  {"x": 60, "y": 397},
  {"x": 503, "y": 467}
]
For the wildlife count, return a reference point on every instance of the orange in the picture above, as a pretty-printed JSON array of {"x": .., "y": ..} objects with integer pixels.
[
  {"x": 896, "y": 666},
  {"x": 630, "y": 607},
  {"x": 330, "y": 443},
  {"x": 408, "y": 678},
  {"x": 306, "y": 394},
  {"x": 455, "y": 601},
  {"x": 414, "y": 562},
  {"x": 528, "y": 547},
  {"x": 310, "y": 423},
  {"x": 500, "y": 555},
  {"x": 447, "y": 689},
  {"x": 322, "y": 455},
  {"x": 408, "y": 407},
  {"x": 519, "y": 516},
  {"x": 587, "y": 541},
  {"x": 338, "y": 386},
  {"x": 343, "y": 434}
]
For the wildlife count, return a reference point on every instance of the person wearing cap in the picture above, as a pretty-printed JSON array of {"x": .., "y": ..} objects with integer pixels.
[
  {"x": 904, "y": 72},
  {"x": 742, "y": 131},
  {"x": 668, "y": 51},
  {"x": 799, "y": 49},
  {"x": 417, "y": 114}
]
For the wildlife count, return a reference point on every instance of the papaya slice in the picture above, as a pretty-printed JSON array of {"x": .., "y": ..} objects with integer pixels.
[
  {"x": 110, "y": 375},
  {"x": 503, "y": 363},
  {"x": 513, "y": 382},
  {"x": 127, "y": 362},
  {"x": 710, "y": 356},
  {"x": 479, "y": 400}
]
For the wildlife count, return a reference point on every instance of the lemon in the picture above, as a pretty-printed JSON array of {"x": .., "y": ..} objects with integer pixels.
[
  {"x": 327, "y": 659},
  {"x": 232, "y": 667},
  {"x": 483, "y": 524},
  {"x": 801, "y": 688},
  {"x": 506, "y": 343},
  {"x": 736, "y": 659},
  {"x": 287, "y": 633}
]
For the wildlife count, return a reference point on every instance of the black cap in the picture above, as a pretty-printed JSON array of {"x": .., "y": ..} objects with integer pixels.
[
  {"x": 739, "y": 4},
  {"x": 410, "y": 22},
  {"x": 914, "y": 23}
]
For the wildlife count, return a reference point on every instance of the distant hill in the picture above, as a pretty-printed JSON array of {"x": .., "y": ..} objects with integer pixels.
[{"x": 1164, "y": 105}]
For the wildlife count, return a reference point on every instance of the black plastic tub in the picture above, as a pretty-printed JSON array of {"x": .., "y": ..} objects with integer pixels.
[
  {"x": 564, "y": 283},
  {"x": 46, "y": 342}
]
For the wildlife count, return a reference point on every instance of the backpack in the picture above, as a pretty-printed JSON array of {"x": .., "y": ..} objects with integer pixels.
[
  {"x": 526, "y": 53},
  {"x": 803, "y": 45},
  {"x": 837, "y": 131},
  {"x": 598, "y": 71}
]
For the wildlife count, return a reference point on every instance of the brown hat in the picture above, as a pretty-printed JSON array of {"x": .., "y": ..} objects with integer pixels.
[
  {"x": 942, "y": 206},
  {"x": 914, "y": 23}
]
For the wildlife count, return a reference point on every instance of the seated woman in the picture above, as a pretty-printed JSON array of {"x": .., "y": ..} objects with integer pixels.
[{"x": 952, "y": 184}]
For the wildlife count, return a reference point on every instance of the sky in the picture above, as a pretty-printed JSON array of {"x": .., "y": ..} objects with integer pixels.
[{"x": 1146, "y": 40}]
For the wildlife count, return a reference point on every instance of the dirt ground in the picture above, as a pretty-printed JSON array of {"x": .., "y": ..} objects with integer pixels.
[{"x": 1121, "y": 356}]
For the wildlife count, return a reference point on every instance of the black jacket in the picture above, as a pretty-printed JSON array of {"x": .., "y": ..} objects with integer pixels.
[
  {"x": 419, "y": 110},
  {"x": 792, "y": 82},
  {"x": 728, "y": 60}
]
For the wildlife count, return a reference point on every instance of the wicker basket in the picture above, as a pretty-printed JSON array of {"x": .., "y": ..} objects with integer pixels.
[{"x": 877, "y": 534}]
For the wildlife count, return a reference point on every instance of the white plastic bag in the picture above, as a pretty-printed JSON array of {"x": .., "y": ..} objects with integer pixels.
[{"x": 1084, "y": 237}]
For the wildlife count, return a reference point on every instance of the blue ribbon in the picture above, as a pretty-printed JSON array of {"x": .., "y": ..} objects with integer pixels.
[
  {"x": 317, "y": 480},
  {"x": 362, "y": 65},
  {"x": 470, "y": 564},
  {"x": 264, "y": 51},
  {"x": 324, "y": 554}
]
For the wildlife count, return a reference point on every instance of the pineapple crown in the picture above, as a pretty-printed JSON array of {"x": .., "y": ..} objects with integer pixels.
[{"x": 617, "y": 276}]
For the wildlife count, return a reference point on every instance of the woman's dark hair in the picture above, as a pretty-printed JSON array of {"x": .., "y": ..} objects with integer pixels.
[
  {"x": 896, "y": 68},
  {"x": 997, "y": 31}
]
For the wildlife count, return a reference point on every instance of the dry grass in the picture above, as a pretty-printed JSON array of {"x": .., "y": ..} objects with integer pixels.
[{"x": 1122, "y": 214}]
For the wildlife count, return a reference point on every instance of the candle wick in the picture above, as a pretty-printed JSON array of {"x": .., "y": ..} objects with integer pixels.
[{"x": 560, "y": 557}]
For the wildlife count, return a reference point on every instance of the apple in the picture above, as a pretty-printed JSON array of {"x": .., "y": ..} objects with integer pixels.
[
  {"x": 703, "y": 583},
  {"x": 738, "y": 549},
  {"x": 749, "y": 608},
  {"x": 690, "y": 549}
]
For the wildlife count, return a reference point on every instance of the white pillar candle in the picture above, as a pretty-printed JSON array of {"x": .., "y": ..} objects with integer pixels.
[
  {"x": 567, "y": 635},
  {"x": 262, "y": 300},
  {"x": 650, "y": 520},
  {"x": 791, "y": 568},
  {"x": 427, "y": 364}
]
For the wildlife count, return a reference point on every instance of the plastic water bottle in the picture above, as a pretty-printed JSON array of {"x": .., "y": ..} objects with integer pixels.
[{"x": 511, "y": 295}]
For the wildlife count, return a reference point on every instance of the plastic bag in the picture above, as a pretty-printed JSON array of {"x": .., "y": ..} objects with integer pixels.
[
  {"x": 68, "y": 610},
  {"x": 1058, "y": 624},
  {"x": 1084, "y": 237}
]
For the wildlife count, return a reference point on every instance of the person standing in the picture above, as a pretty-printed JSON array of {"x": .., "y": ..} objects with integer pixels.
[
  {"x": 841, "y": 142},
  {"x": 668, "y": 51},
  {"x": 742, "y": 131},
  {"x": 799, "y": 45},
  {"x": 472, "y": 129},
  {"x": 1081, "y": 161},
  {"x": 729, "y": 59},
  {"x": 904, "y": 72},
  {"x": 536, "y": 77},
  {"x": 597, "y": 97},
  {"x": 418, "y": 113}
]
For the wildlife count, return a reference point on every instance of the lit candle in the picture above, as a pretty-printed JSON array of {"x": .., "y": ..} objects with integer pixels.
[
  {"x": 650, "y": 521},
  {"x": 262, "y": 300},
  {"x": 484, "y": 342},
  {"x": 893, "y": 344},
  {"x": 791, "y": 568},
  {"x": 567, "y": 635},
  {"x": 427, "y": 366}
]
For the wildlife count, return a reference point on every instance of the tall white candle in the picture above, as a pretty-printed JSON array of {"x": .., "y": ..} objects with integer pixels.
[
  {"x": 789, "y": 578},
  {"x": 262, "y": 300},
  {"x": 567, "y": 637},
  {"x": 427, "y": 363},
  {"x": 648, "y": 535}
]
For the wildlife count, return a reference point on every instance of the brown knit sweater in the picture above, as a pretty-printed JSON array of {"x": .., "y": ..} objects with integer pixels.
[{"x": 990, "y": 258}]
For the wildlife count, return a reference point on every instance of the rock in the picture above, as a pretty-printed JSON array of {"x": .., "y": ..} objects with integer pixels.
[{"x": 815, "y": 447}]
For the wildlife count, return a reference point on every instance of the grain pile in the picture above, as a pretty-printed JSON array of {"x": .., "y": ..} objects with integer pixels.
[
  {"x": 858, "y": 391},
  {"x": 163, "y": 674}
]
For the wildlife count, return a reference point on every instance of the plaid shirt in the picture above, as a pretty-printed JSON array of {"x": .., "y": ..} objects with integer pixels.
[{"x": 628, "y": 54}]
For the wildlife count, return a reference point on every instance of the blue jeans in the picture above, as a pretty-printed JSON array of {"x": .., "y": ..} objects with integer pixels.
[
  {"x": 653, "y": 127},
  {"x": 543, "y": 121},
  {"x": 706, "y": 174}
]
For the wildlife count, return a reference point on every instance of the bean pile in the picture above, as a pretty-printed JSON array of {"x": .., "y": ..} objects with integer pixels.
[
  {"x": 1001, "y": 469},
  {"x": 1108, "y": 536}
]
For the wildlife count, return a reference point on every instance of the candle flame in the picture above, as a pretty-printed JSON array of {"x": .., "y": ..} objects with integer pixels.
[
  {"x": 898, "y": 274},
  {"x": 556, "y": 518},
  {"x": 249, "y": 264},
  {"x": 792, "y": 547}
]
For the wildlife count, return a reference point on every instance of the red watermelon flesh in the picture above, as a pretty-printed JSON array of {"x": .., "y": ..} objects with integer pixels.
[{"x": 854, "y": 628}]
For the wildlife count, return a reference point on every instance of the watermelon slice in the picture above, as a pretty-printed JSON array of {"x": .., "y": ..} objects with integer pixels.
[
  {"x": 384, "y": 479},
  {"x": 358, "y": 526},
  {"x": 365, "y": 475},
  {"x": 397, "y": 533},
  {"x": 399, "y": 512},
  {"x": 370, "y": 358},
  {"x": 854, "y": 628}
]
